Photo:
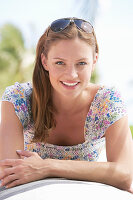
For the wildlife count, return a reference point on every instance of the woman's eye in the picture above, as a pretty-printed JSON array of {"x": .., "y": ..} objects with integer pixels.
[
  {"x": 59, "y": 63},
  {"x": 82, "y": 63}
]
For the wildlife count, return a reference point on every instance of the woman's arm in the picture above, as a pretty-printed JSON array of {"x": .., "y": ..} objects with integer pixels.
[
  {"x": 118, "y": 171},
  {"x": 14, "y": 170},
  {"x": 110, "y": 173},
  {"x": 119, "y": 144},
  {"x": 11, "y": 132}
]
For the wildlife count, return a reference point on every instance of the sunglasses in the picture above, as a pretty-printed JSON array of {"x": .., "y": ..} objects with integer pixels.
[{"x": 61, "y": 24}]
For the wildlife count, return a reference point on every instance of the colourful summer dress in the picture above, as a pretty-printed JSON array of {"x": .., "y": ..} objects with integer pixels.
[{"x": 106, "y": 108}]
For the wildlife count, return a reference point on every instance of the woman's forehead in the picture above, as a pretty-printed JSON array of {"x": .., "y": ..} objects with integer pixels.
[{"x": 72, "y": 47}]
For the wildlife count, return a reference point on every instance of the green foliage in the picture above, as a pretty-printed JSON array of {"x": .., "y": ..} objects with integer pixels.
[
  {"x": 131, "y": 128},
  {"x": 94, "y": 76},
  {"x": 11, "y": 41},
  {"x": 12, "y": 56}
]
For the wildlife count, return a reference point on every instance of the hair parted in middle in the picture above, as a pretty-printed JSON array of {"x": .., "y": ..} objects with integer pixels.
[{"x": 42, "y": 105}]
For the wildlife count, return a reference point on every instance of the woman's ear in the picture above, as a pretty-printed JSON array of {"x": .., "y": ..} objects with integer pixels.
[
  {"x": 44, "y": 61},
  {"x": 94, "y": 61}
]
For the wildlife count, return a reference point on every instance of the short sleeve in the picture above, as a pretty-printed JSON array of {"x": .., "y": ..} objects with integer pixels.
[
  {"x": 20, "y": 96},
  {"x": 107, "y": 107}
]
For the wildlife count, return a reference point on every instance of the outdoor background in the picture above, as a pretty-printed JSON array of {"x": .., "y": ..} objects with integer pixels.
[{"x": 23, "y": 21}]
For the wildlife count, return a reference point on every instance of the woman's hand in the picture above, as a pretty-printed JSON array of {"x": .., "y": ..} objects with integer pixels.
[
  {"x": 19, "y": 171},
  {"x": 131, "y": 189}
]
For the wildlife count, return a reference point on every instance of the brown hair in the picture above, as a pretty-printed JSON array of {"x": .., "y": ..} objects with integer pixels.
[{"x": 42, "y": 105}]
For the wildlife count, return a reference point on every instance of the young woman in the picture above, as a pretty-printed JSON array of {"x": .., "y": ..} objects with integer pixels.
[{"x": 55, "y": 126}]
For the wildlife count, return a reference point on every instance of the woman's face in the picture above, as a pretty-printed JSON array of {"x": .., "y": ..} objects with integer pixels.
[{"x": 70, "y": 64}]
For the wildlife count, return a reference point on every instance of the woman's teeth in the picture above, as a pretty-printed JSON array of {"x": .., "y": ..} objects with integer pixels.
[{"x": 70, "y": 84}]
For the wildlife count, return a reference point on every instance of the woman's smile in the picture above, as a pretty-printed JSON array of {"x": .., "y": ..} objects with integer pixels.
[{"x": 70, "y": 85}]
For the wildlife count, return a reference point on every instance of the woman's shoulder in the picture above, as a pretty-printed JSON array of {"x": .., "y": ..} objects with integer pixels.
[
  {"x": 101, "y": 94},
  {"x": 18, "y": 90},
  {"x": 109, "y": 105},
  {"x": 108, "y": 94},
  {"x": 19, "y": 95}
]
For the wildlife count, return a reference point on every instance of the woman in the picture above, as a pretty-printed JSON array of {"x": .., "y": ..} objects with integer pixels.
[{"x": 53, "y": 128}]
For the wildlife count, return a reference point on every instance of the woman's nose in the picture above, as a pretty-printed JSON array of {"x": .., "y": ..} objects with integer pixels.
[{"x": 72, "y": 72}]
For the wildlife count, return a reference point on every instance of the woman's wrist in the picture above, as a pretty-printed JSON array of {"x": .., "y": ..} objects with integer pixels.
[
  {"x": 56, "y": 168},
  {"x": 48, "y": 169}
]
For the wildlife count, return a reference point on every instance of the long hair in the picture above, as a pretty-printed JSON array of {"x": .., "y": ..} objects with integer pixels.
[{"x": 42, "y": 105}]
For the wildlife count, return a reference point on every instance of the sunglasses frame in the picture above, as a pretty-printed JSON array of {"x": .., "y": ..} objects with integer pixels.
[{"x": 71, "y": 20}]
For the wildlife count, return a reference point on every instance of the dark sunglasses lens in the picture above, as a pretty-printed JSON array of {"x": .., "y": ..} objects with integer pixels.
[
  {"x": 59, "y": 25},
  {"x": 85, "y": 26}
]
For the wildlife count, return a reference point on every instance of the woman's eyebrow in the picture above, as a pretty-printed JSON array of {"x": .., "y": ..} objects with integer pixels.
[
  {"x": 59, "y": 58},
  {"x": 84, "y": 58}
]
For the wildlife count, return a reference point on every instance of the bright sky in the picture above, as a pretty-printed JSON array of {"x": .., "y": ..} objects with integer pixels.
[
  {"x": 113, "y": 27},
  {"x": 114, "y": 30}
]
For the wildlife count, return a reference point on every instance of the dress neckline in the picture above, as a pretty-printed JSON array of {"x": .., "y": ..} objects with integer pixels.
[{"x": 77, "y": 146}]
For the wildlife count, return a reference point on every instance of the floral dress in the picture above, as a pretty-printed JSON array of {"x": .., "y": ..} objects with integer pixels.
[{"x": 106, "y": 108}]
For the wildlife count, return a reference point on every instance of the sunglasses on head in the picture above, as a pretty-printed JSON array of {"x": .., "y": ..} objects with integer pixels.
[{"x": 61, "y": 24}]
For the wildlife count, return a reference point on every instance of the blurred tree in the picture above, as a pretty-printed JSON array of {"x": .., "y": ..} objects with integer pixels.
[
  {"x": 131, "y": 128},
  {"x": 11, "y": 48},
  {"x": 12, "y": 54}
]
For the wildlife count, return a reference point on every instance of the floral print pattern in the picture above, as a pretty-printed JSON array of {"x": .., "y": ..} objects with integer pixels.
[{"x": 106, "y": 108}]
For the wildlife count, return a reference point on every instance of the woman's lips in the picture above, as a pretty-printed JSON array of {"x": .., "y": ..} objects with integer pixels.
[{"x": 70, "y": 83}]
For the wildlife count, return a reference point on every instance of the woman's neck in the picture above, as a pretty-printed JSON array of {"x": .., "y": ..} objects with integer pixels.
[{"x": 70, "y": 105}]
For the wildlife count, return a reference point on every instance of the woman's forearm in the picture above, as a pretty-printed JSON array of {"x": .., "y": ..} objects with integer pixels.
[{"x": 110, "y": 173}]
